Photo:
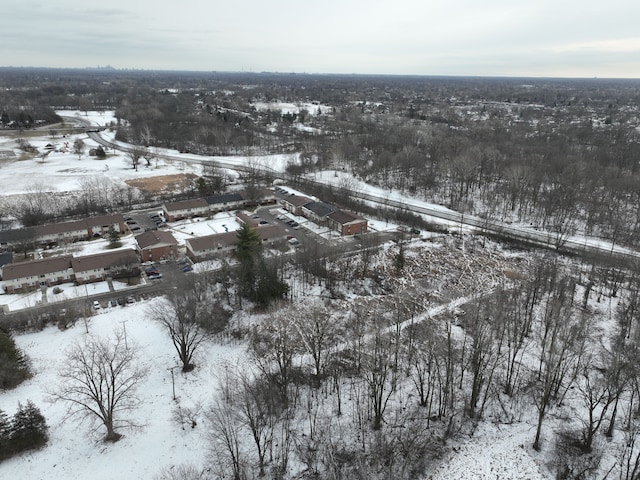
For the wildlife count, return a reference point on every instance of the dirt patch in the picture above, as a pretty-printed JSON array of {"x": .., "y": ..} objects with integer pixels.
[{"x": 163, "y": 183}]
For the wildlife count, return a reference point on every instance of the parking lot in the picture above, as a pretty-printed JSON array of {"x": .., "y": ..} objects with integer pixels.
[{"x": 139, "y": 222}]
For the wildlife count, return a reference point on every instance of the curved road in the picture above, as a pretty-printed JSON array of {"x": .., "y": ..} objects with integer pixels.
[{"x": 554, "y": 241}]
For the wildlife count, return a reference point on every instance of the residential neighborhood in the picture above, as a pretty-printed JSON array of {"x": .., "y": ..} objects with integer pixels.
[{"x": 154, "y": 245}]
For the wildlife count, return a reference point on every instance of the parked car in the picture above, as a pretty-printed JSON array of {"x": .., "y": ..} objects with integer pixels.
[
  {"x": 131, "y": 300},
  {"x": 151, "y": 271},
  {"x": 155, "y": 276},
  {"x": 187, "y": 268},
  {"x": 96, "y": 305}
]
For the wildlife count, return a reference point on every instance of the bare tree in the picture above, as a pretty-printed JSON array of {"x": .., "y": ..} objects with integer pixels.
[
  {"x": 273, "y": 346},
  {"x": 99, "y": 379},
  {"x": 79, "y": 148},
  {"x": 379, "y": 374},
  {"x": 183, "y": 314},
  {"x": 317, "y": 334},
  {"x": 135, "y": 155},
  {"x": 562, "y": 346},
  {"x": 184, "y": 471},
  {"x": 225, "y": 437}
]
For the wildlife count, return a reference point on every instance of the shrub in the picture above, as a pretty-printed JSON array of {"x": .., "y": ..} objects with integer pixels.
[
  {"x": 14, "y": 366},
  {"x": 27, "y": 430}
]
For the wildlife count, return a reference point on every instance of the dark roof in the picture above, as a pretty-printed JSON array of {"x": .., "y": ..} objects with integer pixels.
[
  {"x": 320, "y": 209},
  {"x": 224, "y": 198},
  {"x": 36, "y": 267},
  {"x": 32, "y": 233},
  {"x": 101, "y": 220},
  {"x": 6, "y": 258},
  {"x": 65, "y": 227},
  {"x": 296, "y": 200},
  {"x": 155, "y": 238},
  {"x": 213, "y": 241},
  {"x": 185, "y": 204},
  {"x": 344, "y": 217},
  {"x": 17, "y": 235},
  {"x": 104, "y": 260},
  {"x": 225, "y": 239},
  {"x": 246, "y": 218}
]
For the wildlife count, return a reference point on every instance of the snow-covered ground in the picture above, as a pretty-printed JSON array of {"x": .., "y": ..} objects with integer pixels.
[{"x": 76, "y": 449}]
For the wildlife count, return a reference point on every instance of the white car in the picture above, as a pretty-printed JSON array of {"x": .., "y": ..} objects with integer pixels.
[{"x": 96, "y": 305}]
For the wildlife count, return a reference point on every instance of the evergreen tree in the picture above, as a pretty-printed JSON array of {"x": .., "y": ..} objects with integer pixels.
[
  {"x": 114, "y": 238},
  {"x": 269, "y": 286},
  {"x": 14, "y": 367},
  {"x": 28, "y": 429},
  {"x": 5, "y": 434},
  {"x": 248, "y": 250}
]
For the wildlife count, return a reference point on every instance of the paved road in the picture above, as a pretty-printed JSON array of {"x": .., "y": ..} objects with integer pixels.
[{"x": 553, "y": 241}]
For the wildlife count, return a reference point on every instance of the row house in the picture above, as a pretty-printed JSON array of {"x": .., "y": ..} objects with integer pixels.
[
  {"x": 207, "y": 206},
  {"x": 102, "y": 224},
  {"x": 321, "y": 213},
  {"x": 225, "y": 202},
  {"x": 244, "y": 217},
  {"x": 209, "y": 246},
  {"x": 79, "y": 229},
  {"x": 263, "y": 196},
  {"x": 98, "y": 267},
  {"x": 37, "y": 273},
  {"x": 53, "y": 233},
  {"x": 56, "y": 270},
  {"x": 185, "y": 209},
  {"x": 317, "y": 212},
  {"x": 294, "y": 203}
]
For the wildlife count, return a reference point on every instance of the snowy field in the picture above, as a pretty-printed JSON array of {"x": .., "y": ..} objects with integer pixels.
[{"x": 75, "y": 449}]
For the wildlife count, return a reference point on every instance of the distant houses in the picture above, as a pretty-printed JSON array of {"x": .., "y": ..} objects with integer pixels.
[
  {"x": 207, "y": 206},
  {"x": 155, "y": 245},
  {"x": 321, "y": 213}
]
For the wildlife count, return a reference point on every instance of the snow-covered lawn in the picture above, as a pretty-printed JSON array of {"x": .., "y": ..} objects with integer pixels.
[{"x": 76, "y": 449}]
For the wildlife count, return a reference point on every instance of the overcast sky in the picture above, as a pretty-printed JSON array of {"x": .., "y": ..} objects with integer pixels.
[{"x": 564, "y": 38}]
